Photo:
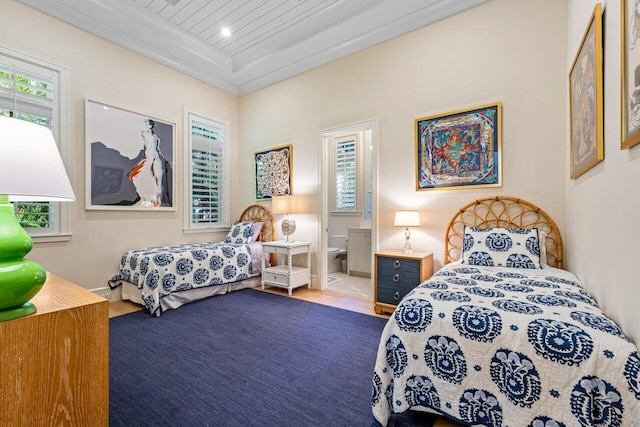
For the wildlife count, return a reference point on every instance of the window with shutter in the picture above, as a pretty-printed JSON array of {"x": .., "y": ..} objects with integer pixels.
[
  {"x": 30, "y": 90},
  {"x": 346, "y": 171},
  {"x": 207, "y": 203}
]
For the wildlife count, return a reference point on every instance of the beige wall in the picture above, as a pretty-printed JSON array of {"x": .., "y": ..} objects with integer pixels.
[
  {"x": 105, "y": 72},
  {"x": 499, "y": 51},
  {"x": 603, "y": 204}
]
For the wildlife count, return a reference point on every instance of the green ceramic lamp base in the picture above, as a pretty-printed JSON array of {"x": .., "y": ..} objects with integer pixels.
[
  {"x": 14, "y": 313},
  {"x": 20, "y": 279}
]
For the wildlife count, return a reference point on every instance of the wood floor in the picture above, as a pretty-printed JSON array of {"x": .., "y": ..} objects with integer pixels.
[{"x": 345, "y": 300}]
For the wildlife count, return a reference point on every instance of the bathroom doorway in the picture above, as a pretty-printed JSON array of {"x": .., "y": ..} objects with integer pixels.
[{"x": 348, "y": 207}]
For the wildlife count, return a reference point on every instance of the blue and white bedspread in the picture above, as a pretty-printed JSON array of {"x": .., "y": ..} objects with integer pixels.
[
  {"x": 511, "y": 347},
  {"x": 160, "y": 271}
]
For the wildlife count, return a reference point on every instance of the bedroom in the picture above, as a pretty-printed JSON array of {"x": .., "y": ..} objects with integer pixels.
[{"x": 518, "y": 53}]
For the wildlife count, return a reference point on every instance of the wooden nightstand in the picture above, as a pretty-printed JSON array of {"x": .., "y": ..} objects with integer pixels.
[
  {"x": 396, "y": 274},
  {"x": 287, "y": 276}
]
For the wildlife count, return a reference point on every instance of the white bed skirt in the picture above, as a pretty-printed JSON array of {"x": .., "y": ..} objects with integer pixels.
[{"x": 131, "y": 293}]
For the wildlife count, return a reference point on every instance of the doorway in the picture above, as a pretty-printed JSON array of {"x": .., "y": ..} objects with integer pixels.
[{"x": 344, "y": 213}]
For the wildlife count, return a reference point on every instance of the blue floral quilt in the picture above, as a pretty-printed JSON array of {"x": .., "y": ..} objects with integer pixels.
[
  {"x": 160, "y": 271},
  {"x": 501, "y": 346}
]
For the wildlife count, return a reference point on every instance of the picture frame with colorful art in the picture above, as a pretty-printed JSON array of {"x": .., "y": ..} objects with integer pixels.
[
  {"x": 630, "y": 70},
  {"x": 273, "y": 172},
  {"x": 585, "y": 100},
  {"x": 460, "y": 149},
  {"x": 130, "y": 160}
]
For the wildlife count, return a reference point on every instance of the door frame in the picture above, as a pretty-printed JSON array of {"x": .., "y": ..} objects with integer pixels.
[{"x": 324, "y": 138}]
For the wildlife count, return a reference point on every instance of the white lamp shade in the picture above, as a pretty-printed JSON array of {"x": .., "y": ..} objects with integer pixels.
[
  {"x": 289, "y": 204},
  {"x": 407, "y": 219},
  {"x": 31, "y": 169}
]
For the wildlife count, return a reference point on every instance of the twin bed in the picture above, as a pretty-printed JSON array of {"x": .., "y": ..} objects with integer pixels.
[
  {"x": 167, "y": 277},
  {"x": 501, "y": 336}
]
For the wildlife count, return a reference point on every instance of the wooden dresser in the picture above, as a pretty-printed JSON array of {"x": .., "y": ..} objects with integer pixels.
[
  {"x": 54, "y": 364},
  {"x": 396, "y": 274}
]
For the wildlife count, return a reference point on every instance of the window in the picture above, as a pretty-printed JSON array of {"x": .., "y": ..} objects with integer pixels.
[
  {"x": 346, "y": 167},
  {"x": 33, "y": 90},
  {"x": 207, "y": 196}
]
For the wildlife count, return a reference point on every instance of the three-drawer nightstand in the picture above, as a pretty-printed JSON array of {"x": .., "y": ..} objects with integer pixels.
[
  {"x": 396, "y": 274},
  {"x": 287, "y": 276}
]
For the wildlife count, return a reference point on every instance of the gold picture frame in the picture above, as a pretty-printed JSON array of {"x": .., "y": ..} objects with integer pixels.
[
  {"x": 460, "y": 149},
  {"x": 630, "y": 84},
  {"x": 585, "y": 99}
]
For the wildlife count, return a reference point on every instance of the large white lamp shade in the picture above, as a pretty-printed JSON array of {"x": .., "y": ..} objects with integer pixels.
[{"x": 31, "y": 170}]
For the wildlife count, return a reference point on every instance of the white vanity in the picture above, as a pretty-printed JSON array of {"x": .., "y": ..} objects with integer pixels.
[{"x": 359, "y": 251}]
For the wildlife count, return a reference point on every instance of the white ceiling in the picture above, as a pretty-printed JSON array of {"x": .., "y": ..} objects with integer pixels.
[{"x": 271, "y": 40}]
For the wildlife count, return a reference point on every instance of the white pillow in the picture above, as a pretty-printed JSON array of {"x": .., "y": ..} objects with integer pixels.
[
  {"x": 502, "y": 247},
  {"x": 257, "y": 228},
  {"x": 543, "y": 247}
]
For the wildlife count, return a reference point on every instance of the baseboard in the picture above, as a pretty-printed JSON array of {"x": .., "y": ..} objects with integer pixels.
[{"x": 104, "y": 292}]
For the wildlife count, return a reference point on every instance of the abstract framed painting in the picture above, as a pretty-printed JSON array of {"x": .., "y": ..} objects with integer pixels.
[
  {"x": 129, "y": 163},
  {"x": 460, "y": 149},
  {"x": 630, "y": 78},
  {"x": 273, "y": 172},
  {"x": 585, "y": 99}
]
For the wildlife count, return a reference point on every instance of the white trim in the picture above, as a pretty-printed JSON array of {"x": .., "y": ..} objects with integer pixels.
[
  {"x": 188, "y": 227},
  {"x": 51, "y": 239},
  {"x": 324, "y": 138},
  {"x": 128, "y": 24},
  {"x": 104, "y": 292},
  {"x": 61, "y": 134}
]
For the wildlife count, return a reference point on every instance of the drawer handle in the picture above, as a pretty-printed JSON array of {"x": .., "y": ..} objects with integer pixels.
[
  {"x": 396, "y": 296},
  {"x": 396, "y": 277},
  {"x": 396, "y": 263}
]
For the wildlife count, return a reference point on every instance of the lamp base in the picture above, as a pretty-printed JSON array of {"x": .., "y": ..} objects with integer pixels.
[
  {"x": 20, "y": 279},
  {"x": 407, "y": 246},
  {"x": 288, "y": 227},
  {"x": 14, "y": 313}
]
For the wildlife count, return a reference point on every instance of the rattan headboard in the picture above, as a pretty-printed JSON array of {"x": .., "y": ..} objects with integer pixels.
[
  {"x": 259, "y": 213},
  {"x": 503, "y": 212}
]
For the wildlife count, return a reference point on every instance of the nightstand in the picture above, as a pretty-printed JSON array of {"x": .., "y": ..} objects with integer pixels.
[
  {"x": 396, "y": 274},
  {"x": 287, "y": 276}
]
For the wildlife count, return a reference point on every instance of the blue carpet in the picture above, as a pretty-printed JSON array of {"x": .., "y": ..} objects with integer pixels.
[{"x": 248, "y": 358}]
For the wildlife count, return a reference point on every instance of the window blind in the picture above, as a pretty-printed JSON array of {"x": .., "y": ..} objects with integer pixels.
[
  {"x": 346, "y": 169},
  {"x": 207, "y": 172},
  {"x": 27, "y": 92}
]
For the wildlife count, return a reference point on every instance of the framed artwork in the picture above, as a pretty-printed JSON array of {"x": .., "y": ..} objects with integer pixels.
[
  {"x": 630, "y": 52},
  {"x": 273, "y": 172},
  {"x": 129, "y": 160},
  {"x": 585, "y": 99},
  {"x": 460, "y": 149}
]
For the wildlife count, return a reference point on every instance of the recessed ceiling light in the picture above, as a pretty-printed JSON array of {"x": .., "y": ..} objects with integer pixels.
[{"x": 226, "y": 32}]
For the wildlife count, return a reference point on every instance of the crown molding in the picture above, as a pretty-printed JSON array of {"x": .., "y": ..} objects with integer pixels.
[{"x": 131, "y": 26}]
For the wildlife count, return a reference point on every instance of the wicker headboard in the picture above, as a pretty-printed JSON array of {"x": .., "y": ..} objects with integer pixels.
[
  {"x": 259, "y": 213},
  {"x": 503, "y": 212}
]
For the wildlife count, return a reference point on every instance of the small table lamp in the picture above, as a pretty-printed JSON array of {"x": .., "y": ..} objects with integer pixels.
[
  {"x": 31, "y": 169},
  {"x": 407, "y": 219},
  {"x": 287, "y": 205}
]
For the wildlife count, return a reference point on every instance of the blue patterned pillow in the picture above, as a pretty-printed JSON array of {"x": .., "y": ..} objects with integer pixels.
[
  {"x": 501, "y": 247},
  {"x": 241, "y": 232}
]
